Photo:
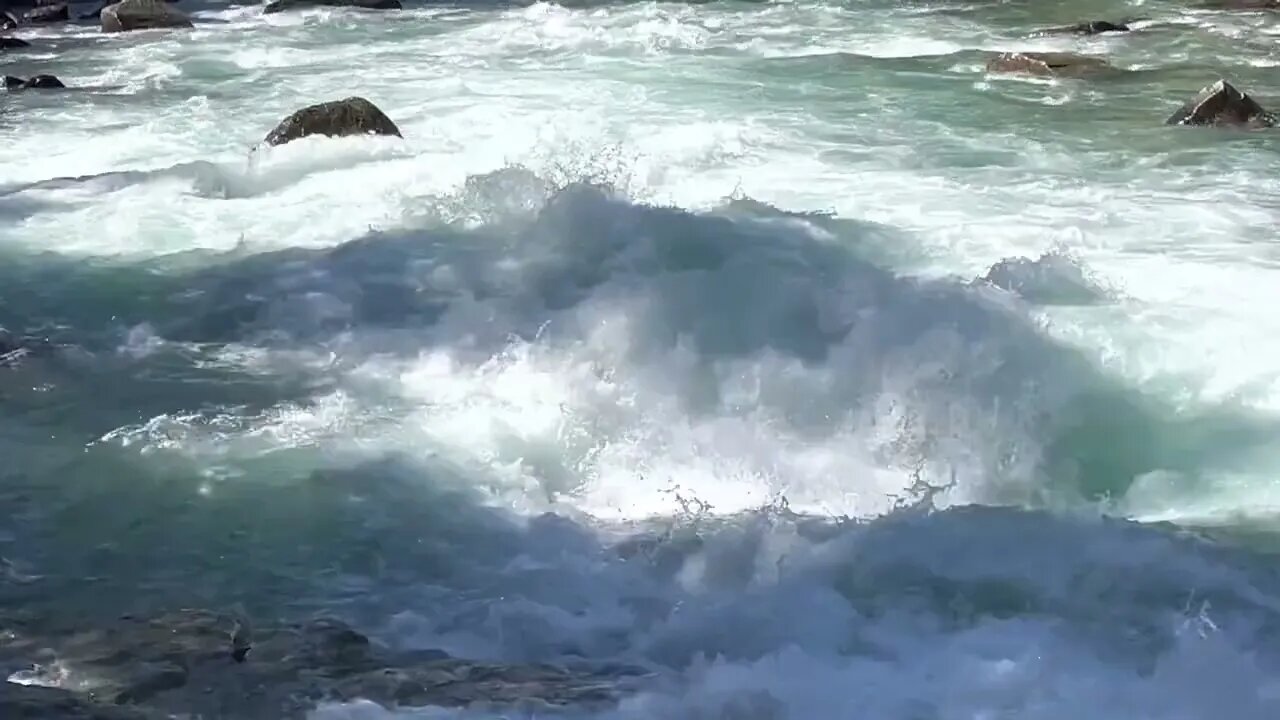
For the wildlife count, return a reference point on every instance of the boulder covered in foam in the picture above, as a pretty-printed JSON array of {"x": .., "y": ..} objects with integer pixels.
[
  {"x": 338, "y": 118},
  {"x": 128, "y": 15},
  {"x": 1222, "y": 104}
]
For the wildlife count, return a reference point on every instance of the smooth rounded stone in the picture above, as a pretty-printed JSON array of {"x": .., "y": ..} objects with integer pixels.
[
  {"x": 182, "y": 664},
  {"x": 1222, "y": 104},
  {"x": 352, "y": 116},
  {"x": 48, "y": 14},
  {"x": 1047, "y": 64},
  {"x": 1090, "y": 27},
  {"x": 129, "y": 15},
  {"x": 276, "y": 6},
  {"x": 11, "y": 43}
]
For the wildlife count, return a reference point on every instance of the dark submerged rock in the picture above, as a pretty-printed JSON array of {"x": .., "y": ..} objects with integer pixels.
[
  {"x": 48, "y": 14},
  {"x": 130, "y": 15},
  {"x": 8, "y": 43},
  {"x": 1090, "y": 27},
  {"x": 33, "y": 702},
  {"x": 352, "y": 116},
  {"x": 37, "y": 82},
  {"x": 276, "y": 6},
  {"x": 181, "y": 664},
  {"x": 1223, "y": 105},
  {"x": 1047, "y": 64},
  {"x": 1243, "y": 4}
]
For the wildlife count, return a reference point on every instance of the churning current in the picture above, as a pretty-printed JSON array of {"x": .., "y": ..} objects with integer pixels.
[{"x": 694, "y": 361}]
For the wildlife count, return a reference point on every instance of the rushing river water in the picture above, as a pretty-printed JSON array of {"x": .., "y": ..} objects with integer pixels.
[{"x": 660, "y": 338}]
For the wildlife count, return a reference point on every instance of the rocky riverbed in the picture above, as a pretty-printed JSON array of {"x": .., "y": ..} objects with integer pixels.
[{"x": 197, "y": 663}]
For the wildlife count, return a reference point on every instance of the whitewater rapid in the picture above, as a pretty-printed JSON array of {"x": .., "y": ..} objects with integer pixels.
[{"x": 660, "y": 337}]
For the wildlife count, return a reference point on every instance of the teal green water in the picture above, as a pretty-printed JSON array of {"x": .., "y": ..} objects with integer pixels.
[{"x": 777, "y": 347}]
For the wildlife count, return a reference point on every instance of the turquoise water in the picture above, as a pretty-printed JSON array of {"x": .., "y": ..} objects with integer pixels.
[{"x": 662, "y": 337}]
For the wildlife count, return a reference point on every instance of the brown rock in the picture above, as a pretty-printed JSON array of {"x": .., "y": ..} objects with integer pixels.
[
  {"x": 1222, "y": 104},
  {"x": 1047, "y": 64},
  {"x": 352, "y": 116},
  {"x": 141, "y": 15}
]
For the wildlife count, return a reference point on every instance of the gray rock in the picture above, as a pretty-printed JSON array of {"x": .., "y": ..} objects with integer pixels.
[
  {"x": 182, "y": 664},
  {"x": 47, "y": 14},
  {"x": 130, "y": 15},
  {"x": 276, "y": 6},
  {"x": 352, "y": 116},
  {"x": 1221, "y": 104},
  {"x": 33, "y": 702},
  {"x": 1047, "y": 64}
]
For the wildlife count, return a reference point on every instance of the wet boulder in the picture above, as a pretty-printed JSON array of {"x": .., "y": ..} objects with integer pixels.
[
  {"x": 10, "y": 43},
  {"x": 1047, "y": 64},
  {"x": 47, "y": 14},
  {"x": 1223, "y": 105},
  {"x": 351, "y": 116},
  {"x": 37, "y": 82},
  {"x": 130, "y": 15},
  {"x": 276, "y": 6}
]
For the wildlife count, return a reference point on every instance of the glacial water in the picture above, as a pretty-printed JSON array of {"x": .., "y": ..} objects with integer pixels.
[{"x": 662, "y": 337}]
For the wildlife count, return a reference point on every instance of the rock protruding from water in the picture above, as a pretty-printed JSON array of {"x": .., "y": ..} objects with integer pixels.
[
  {"x": 10, "y": 43},
  {"x": 1223, "y": 105},
  {"x": 1047, "y": 63},
  {"x": 130, "y": 15},
  {"x": 1090, "y": 27},
  {"x": 352, "y": 116},
  {"x": 47, "y": 14},
  {"x": 182, "y": 664},
  {"x": 276, "y": 6},
  {"x": 36, "y": 82}
]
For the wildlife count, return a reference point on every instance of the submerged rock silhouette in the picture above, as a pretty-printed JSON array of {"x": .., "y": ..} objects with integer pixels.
[{"x": 182, "y": 663}]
